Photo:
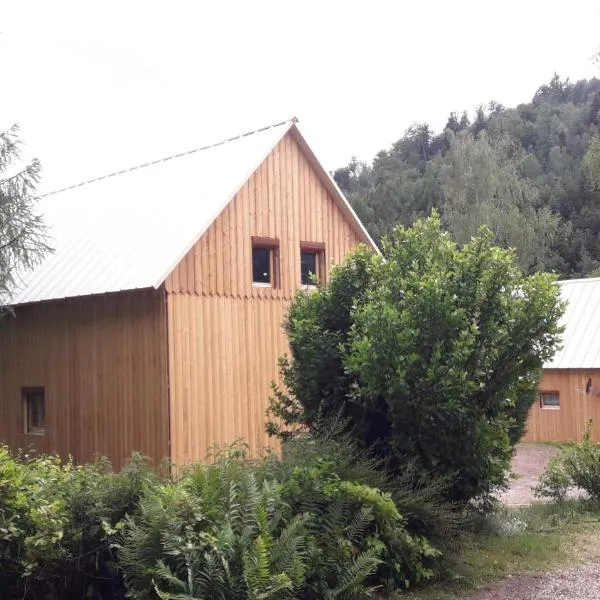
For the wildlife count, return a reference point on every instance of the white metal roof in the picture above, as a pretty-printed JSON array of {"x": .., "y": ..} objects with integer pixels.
[
  {"x": 581, "y": 338},
  {"x": 129, "y": 230}
]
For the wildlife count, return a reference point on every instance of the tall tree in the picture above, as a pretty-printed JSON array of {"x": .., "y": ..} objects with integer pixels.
[
  {"x": 551, "y": 135},
  {"x": 22, "y": 232},
  {"x": 483, "y": 186}
]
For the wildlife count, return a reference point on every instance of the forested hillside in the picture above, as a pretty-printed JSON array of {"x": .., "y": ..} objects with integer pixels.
[{"x": 529, "y": 173}]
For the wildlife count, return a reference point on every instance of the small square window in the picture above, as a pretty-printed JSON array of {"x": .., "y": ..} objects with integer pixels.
[
  {"x": 549, "y": 400},
  {"x": 265, "y": 262},
  {"x": 34, "y": 410}
]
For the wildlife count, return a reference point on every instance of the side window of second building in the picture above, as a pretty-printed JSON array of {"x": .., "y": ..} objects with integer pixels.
[{"x": 34, "y": 410}]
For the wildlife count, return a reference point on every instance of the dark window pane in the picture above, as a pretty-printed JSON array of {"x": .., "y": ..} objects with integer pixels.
[
  {"x": 550, "y": 399},
  {"x": 308, "y": 266},
  {"x": 35, "y": 408},
  {"x": 261, "y": 265}
]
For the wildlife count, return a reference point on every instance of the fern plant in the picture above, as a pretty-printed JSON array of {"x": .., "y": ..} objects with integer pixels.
[{"x": 216, "y": 535}]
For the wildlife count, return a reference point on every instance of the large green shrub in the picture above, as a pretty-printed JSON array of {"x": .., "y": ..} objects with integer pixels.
[{"x": 432, "y": 353}]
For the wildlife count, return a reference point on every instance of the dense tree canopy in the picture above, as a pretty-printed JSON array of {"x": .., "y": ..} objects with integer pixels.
[{"x": 532, "y": 173}]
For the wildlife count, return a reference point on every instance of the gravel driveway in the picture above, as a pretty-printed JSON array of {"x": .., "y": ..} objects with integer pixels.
[
  {"x": 576, "y": 583},
  {"x": 528, "y": 464}
]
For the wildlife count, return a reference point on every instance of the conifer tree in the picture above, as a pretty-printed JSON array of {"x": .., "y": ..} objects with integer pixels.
[{"x": 22, "y": 232}]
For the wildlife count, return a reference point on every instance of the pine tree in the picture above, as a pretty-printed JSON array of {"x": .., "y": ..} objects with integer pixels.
[{"x": 22, "y": 232}]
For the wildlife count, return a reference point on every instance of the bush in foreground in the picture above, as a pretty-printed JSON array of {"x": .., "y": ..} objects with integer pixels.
[
  {"x": 234, "y": 530},
  {"x": 56, "y": 524}
]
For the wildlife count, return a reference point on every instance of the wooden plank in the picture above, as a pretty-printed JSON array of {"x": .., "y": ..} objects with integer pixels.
[
  {"x": 237, "y": 338},
  {"x": 567, "y": 423},
  {"x": 99, "y": 362}
]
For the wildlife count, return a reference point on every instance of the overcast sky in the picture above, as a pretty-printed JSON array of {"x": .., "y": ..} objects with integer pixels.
[{"x": 96, "y": 87}]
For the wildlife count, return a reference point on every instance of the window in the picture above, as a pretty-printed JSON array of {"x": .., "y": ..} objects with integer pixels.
[
  {"x": 308, "y": 267},
  {"x": 312, "y": 262},
  {"x": 549, "y": 400},
  {"x": 34, "y": 410},
  {"x": 265, "y": 262}
]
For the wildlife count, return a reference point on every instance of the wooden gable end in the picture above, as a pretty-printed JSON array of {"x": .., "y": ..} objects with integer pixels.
[
  {"x": 226, "y": 335},
  {"x": 284, "y": 199}
]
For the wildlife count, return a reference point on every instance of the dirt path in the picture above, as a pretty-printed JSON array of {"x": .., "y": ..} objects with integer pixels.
[{"x": 576, "y": 583}]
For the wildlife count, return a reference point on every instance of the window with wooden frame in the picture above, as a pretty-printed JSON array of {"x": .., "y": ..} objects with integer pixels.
[
  {"x": 34, "y": 410},
  {"x": 550, "y": 400},
  {"x": 265, "y": 262},
  {"x": 312, "y": 263}
]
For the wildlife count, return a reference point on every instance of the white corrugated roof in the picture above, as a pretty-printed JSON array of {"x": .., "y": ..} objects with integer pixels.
[
  {"x": 581, "y": 338},
  {"x": 129, "y": 230}
]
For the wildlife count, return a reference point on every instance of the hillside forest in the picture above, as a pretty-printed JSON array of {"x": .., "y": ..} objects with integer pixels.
[{"x": 530, "y": 173}]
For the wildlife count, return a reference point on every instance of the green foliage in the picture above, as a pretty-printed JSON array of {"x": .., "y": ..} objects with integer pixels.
[
  {"x": 22, "y": 232},
  {"x": 554, "y": 482},
  {"x": 420, "y": 502},
  {"x": 353, "y": 520},
  {"x": 576, "y": 465},
  {"x": 57, "y": 521},
  {"x": 519, "y": 170},
  {"x": 432, "y": 355},
  {"x": 483, "y": 185},
  {"x": 215, "y": 534},
  {"x": 269, "y": 529},
  {"x": 231, "y": 530},
  {"x": 591, "y": 162}
]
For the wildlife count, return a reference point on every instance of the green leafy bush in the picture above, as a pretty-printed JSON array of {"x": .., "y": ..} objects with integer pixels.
[
  {"x": 353, "y": 519},
  {"x": 576, "y": 465},
  {"x": 432, "y": 355},
  {"x": 56, "y": 525},
  {"x": 233, "y": 530},
  {"x": 555, "y": 481}
]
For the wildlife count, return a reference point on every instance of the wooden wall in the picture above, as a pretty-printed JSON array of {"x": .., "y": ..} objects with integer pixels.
[
  {"x": 567, "y": 423},
  {"x": 225, "y": 336},
  {"x": 103, "y": 363}
]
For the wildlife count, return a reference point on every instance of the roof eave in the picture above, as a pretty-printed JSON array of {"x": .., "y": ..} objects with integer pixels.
[{"x": 333, "y": 189}]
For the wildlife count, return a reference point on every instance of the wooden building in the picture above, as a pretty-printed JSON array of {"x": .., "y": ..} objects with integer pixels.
[
  {"x": 156, "y": 323},
  {"x": 570, "y": 386}
]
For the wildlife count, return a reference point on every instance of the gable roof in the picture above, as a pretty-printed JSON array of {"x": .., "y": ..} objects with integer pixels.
[
  {"x": 581, "y": 337},
  {"x": 129, "y": 230}
]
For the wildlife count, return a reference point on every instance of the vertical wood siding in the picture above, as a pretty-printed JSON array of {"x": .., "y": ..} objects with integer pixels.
[
  {"x": 102, "y": 363},
  {"x": 567, "y": 423},
  {"x": 225, "y": 336}
]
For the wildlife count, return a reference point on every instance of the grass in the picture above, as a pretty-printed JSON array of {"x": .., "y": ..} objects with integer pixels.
[{"x": 523, "y": 540}]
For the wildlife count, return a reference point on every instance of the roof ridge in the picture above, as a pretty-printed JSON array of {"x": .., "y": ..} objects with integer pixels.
[
  {"x": 167, "y": 158},
  {"x": 580, "y": 280}
]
